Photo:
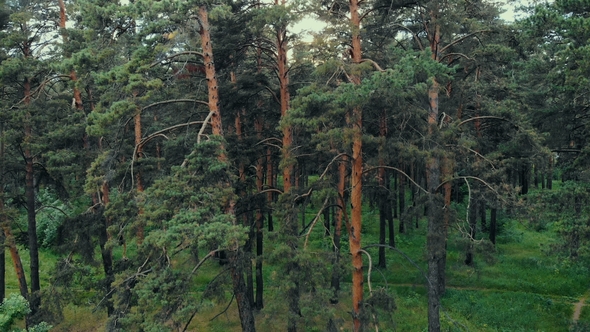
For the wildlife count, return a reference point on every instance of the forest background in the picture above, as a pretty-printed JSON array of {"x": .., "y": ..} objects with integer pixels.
[{"x": 416, "y": 165}]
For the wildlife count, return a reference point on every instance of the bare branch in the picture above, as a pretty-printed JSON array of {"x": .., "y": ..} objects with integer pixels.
[
  {"x": 203, "y": 127},
  {"x": 52, "y": 207},
  {"x": 176, "y": 101},
  {"x": 375, "y": 64},
  {"x": 482, "y": 117},
  {"x": 177, "y": 55},
  {"x": 399, "y": 171},
  {"x": 462, "y": 39},
  {"x": 317, "y": 217}
]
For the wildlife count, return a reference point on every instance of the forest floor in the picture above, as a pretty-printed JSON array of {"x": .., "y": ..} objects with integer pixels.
[{"x": 578, "y": 308}]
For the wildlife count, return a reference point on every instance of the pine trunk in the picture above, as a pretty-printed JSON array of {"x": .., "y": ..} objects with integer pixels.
[
  {"x": 472, "y": 228},
  {"x": 106, "y": 253},
  {"x": 269, "y": 183},
  {"x": 356, "y": 181},
  {"x": 493, "y": 217},
  {"x": 138, "y": 175},
  {"x": 435, "y": 237},
  {"x": 18, "y": 265},
  {"x": 259, "y": 223},
  {"x": 340, "y": 213},
  {"x": 237, "y": 258},
  {"x": 35, "y": 298},
  {"x": 401, "y": 199}
]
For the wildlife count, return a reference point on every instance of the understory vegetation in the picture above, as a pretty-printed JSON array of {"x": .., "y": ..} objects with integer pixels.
[
  {"x": 524, "y": 283},
  {"x": 196, "y": 165}
]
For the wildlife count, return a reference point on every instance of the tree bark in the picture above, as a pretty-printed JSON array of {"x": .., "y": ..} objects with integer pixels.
[
  {"x": 482, "y": 215},
  {"x": 493, "y": 225},
  {"x": 138, "y": 175},
  {"x": 259, "y": 223},
  {"x": 35, "y": 298},
  {"x": 106, "y": 252},
  {"x": 550, "y": 174},
  {"x": 269, "y": 183},
  {"x": 356, "y": 180},
  {"x": 435, "y": 237},
  {"x": 237, "y": 258},
  {"x": 237, "y": 274},
  {"x": 401, "y": 194},
  {"x": 335, "y": 282},
  {"x": 210, "y": 75},
  {"x": 472, "y": 228}
]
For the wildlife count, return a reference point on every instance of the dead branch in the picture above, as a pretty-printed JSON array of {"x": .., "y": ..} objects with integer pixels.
[
  {"x": 375, "y": 64},
  {"x": 399, "y": 171},
  {"x": 176, "y": 101},
  {"x": 317, "y": 217}
]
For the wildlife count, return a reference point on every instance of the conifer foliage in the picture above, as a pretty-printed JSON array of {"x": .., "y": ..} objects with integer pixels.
[{"x": 183, "y": 155}]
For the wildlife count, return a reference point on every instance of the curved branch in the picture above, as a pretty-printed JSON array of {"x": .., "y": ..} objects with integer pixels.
[
  {"x": 209, "y": 255},
  {"x": 399, "y": 171},
  {"x": 268, "y": 139},
  {"x": 176, "y": 101},
  {"x": 202, "y": 130},
  {"x": 369, "y": 272},
  {"x": 274, "y": 190},
  {"x": 473, "y": 178},
  {"x": 375, "y": 64},
  {"x": 476, "y": 153},
  {"x": 161, "y": 132},
  {"x": 413, "y": 35},
  {"x": 404, "y": 255},
  {"x": 176, "y": 55},
  {"x": 483, "y": 117},
  {"x": 331, "y": 162},
  {"x": 456, "y": 54},
  {"x": 462, "y": 39},
  {"x": 317, "y": 217},
  {"x": 52, "y": 207}
]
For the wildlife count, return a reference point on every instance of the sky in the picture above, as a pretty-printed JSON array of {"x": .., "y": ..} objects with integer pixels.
[{"x": 311, "y": 24}]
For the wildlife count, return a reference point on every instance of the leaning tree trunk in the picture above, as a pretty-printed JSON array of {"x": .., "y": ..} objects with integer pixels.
[{"x": 8, "y": 239}]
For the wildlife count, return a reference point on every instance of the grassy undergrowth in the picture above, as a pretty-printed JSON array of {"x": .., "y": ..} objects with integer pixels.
[{"x": 514, "y": 286}]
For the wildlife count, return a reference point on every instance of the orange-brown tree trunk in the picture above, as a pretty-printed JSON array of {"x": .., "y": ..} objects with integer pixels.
[
  {"x": 138, "y": 176},
  {"x": 210, "y": 75},
  {"x": 62, "y": 25},
  {"x": 356, "y": 180},
  {"x": 18, "y": 265},
  {"x": 237, "y": 258},
  {"x": 8, "y": 238}
]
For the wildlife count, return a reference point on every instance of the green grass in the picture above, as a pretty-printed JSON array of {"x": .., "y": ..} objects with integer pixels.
[{"x": 515, "y": 286}]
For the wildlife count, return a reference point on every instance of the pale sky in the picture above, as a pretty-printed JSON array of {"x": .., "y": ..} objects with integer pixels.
[{"x": 314, "y": 25}]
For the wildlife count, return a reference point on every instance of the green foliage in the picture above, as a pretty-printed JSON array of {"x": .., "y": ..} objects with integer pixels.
[
  {"x": 51, "y": 214},
  {"x": 14, "y": 308}
]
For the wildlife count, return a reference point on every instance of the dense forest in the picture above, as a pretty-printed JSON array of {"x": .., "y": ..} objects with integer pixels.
[{"x": 180, "y": 165}]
